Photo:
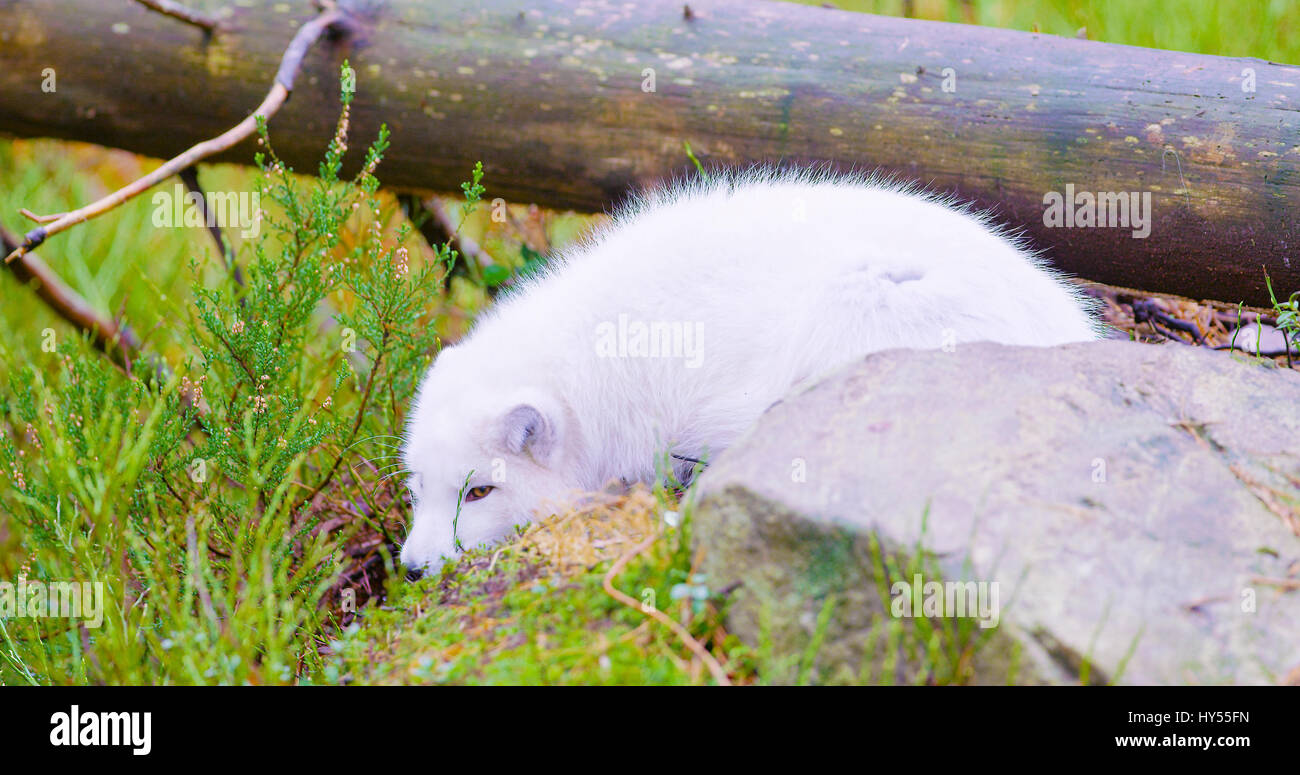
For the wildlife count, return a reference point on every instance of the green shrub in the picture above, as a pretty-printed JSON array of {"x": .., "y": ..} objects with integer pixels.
[{"x": 227, "y": 503}]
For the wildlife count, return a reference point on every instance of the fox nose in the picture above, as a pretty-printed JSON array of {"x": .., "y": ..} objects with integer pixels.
[{"x": 414, "y": 574}]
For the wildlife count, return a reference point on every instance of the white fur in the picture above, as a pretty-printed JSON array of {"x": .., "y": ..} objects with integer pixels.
[{"x": 784, "y": 275}]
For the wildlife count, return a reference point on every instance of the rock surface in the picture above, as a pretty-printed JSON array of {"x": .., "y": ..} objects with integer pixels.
[{"x": 1136, "y": 505}]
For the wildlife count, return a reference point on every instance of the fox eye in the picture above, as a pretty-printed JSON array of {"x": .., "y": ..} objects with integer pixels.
[{"x": 478, "y": 493}]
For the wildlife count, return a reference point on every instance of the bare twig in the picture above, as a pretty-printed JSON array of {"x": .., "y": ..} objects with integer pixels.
[
  {"x": 1283, "y": 583},
  {"x": 437, "y": 227},
  {"x": 1146, "y": 311},
  {"x": 308, "y": 34},
  {"x": 686, "y": 638},
  {"x": 1251, "y": 351},
  {"x": 208, "y": 24},
  {"x": 1269, "y": 497},
  {"x": 190, "y": 177},
  {"x": 115, "y": 339},
  {"x": 356, "y": 425}
]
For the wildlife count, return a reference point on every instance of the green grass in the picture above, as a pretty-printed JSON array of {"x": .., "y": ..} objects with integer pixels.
[
  {"x": 100, "y": 259},
  {"x": 1246, "y": 28},
  {"x": 515, "y": 614}
]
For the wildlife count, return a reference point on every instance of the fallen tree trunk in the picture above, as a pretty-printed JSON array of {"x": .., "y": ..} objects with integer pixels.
[{"x": 569, "y": 103}]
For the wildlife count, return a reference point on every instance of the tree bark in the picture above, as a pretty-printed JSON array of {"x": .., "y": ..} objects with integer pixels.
[{"x": 553, "y": 96}]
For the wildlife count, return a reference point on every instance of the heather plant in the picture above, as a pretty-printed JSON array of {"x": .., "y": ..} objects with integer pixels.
[{"x": 235, "y": 502}]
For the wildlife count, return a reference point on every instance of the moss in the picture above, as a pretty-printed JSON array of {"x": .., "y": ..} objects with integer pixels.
[
  {"x": 814, "y": 603},
  {"x": 522, "y": 614}
]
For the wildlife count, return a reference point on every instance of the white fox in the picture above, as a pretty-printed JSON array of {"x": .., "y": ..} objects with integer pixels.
[{"x": 670, "y": 329}]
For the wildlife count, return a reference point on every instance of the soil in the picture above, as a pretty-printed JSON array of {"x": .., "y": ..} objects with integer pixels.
[{"x": 1159, "y": 318}]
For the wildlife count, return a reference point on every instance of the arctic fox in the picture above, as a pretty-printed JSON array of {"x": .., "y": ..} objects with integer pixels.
[{"x": 668, "y": 332}]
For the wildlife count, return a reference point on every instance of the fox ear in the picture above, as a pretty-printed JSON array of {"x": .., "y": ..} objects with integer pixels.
[{"x": 526, "y": 429}]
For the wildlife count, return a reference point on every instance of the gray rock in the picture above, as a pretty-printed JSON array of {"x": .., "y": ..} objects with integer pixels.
[{"x": 1135, "y": 504}]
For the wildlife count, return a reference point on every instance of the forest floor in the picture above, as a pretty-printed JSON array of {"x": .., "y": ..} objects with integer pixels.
[
  {"x": 1158, "y": 318},
  {"x": 535, "y": 609}
]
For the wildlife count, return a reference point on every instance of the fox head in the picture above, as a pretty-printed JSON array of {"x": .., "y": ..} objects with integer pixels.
[{"x": 482, "y": 455}]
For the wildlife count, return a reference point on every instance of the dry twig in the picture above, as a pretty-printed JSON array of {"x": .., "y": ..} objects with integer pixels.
[
  {"x": 190, "y": 177},
  {"x": 308, "y": 34},
  {"x": 208, "y": 24},
  {"x": 1290, "y": 584},
  {"x": 115, "y": 339},
  {"x": 686, "y": 638}
]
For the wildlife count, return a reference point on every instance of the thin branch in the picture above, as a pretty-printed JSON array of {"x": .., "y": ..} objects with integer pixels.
[
  {"x": 1246, "y": 348},
  {"x": 63, "y": 221},
  {"x": 439, "y": 229},
  {"x": 356, "y": 425},
  {"x": 208, "y": 24},
  {"x": 308, "y": 34},
  {"x": 111, "y": 337},
  {"x": 1283, "y": 583},
  {"x": 435, "y": 224},
  {"x": 1146, "y": 311},
  {"x": 466, "y": 246},
  {"x": 719, "y": 674},
  {"x": 190, "y": 177},
  {"x": 115, "y": 339}
]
